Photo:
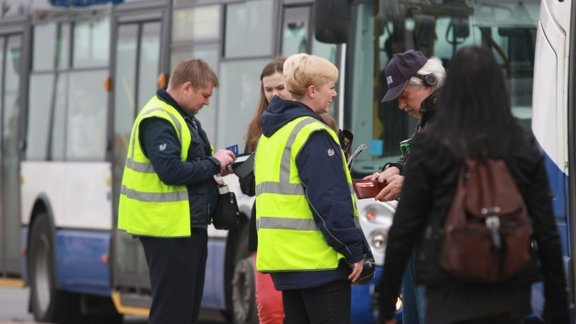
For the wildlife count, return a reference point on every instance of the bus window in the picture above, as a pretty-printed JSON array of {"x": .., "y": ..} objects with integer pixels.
[
  {"x": 91, "y": 43},
  {"x": 238, "y": 98},
  {"x": 125, "y": 103},
  {"x": 204, "y": 43},
  {"x": 45, "y": 138},
  {"x": 86, "y": 116},
  {"x": 249, "y": 29},
  {"x": 295, "y": 35},
  {"x": 10, "y": 58},
  {"x": 54, "y": 38},
  {"x": 383, "y": 28},
  {"x": 149, "y": 58},
  {"x": 199, "y": 24}
]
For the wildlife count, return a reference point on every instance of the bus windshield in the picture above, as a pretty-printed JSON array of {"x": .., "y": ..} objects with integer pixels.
[{"x": 437, "y": 28}]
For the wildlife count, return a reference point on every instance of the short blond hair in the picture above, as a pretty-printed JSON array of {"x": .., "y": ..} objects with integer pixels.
[{"x": 303, "y": 70}]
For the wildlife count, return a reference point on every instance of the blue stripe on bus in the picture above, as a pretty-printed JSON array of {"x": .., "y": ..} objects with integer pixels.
[
  {"x": 558, "y": 184},
  {"x": 213, "y": 296},
  {"x": 79, "y": 261},
  {"x": 362, "y": 312}
]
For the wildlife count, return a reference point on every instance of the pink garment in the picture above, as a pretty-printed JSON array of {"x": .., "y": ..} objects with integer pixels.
[{"x": 268, "y": 300}]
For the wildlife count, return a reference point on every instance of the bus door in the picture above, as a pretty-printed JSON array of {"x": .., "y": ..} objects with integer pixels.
[
  {"x": 135, "y": 66},
  {"x": 11, "y": 60}
]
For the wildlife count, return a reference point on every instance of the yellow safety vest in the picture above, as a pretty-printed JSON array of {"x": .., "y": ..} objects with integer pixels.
[
  {"x": 288, "y": 238},
  {"x": 147, "y": 205}
]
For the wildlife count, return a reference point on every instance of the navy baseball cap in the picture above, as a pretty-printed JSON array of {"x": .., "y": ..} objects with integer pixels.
[{"x": 400, "y": 69}]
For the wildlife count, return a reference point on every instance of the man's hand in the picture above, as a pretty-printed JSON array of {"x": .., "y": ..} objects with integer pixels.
[
  {"x": 356, "y": 271},
  {"x": 383, "y": 176},
  {"x": 226, "y": 158},
  {"x": 392, "y": 189},
  {"x": 393, "y": 180}
]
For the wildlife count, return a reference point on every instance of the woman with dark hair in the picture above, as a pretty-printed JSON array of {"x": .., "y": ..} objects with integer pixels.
[
  {"x": 473, "y": 104},
  {"x": 268, "y": 299}
]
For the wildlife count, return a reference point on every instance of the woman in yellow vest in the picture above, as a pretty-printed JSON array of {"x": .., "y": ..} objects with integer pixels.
[
  {"x": 308, "y": 239},
  {"x": 168, "y": 191}
]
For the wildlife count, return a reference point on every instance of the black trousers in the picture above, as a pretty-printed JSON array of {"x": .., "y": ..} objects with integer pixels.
[
  {"x": 329, "y": 303},
  {"x": 177, "y": 269}
]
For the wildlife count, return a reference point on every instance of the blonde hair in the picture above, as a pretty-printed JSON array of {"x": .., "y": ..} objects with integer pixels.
[{"x": 303, "y": 70}]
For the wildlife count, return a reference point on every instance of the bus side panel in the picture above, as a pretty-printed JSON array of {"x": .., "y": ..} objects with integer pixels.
[
  {"x": 78, "y": 193},
  {"x": 213, "y": 296},
  {"x": 24, "y": 247},
  {"x": 549, "y": 108},
  {"x": 82, "y": 261},
  {"x": 549, "y": 118},
  {"x": 362, "y": 312},
  {"x": 558, "y": 184}
]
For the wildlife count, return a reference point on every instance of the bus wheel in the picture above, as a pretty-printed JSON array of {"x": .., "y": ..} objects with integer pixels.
[
  {"x": 243, "y": 292},
  {"x": 47, "y": 303},
  {"x": 242, "y": 289}
]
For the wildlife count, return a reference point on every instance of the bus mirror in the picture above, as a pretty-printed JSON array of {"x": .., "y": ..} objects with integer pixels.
[{"x": 332, "y": 20}]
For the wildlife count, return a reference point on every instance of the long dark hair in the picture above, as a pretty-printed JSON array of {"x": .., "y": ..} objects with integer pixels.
[
  {"x": 255, "y": 128},
  {"x": 474, "y": 106}
]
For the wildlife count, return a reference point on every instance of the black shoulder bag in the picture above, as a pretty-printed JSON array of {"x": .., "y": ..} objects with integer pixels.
[{"x": 227, "y": 215}]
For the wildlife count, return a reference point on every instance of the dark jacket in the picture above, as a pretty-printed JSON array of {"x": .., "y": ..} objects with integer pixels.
[
  {"x": 428, "y": 109},
  {"x": 197, "y": 172},
  {"x": 328, "y": 194},
  {"x": 431, "y": 175}
]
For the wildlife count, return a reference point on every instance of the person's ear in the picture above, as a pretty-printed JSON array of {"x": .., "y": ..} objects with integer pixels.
[
  {"x": 187, "y": 86},
  {"x": 311, "y": 91}
]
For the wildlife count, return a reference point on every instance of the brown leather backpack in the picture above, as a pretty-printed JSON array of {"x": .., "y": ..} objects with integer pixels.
[{"x": 487, "y": 232}]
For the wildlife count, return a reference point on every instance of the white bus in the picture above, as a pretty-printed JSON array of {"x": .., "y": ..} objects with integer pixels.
[
  {"x": 554, "y": 118},
  {"x": 73, "y": 74}
]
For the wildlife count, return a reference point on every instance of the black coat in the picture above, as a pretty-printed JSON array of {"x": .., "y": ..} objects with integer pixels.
[{"x": 431, "y": 175}]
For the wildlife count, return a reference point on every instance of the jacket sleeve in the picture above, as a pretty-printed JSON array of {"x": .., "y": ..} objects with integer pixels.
[
  {"x": 162, "y": 146},
  {"x": 409, "y": 221},
  {"x": 322, "y": 174},
  {"x": 539, "y": 206}
]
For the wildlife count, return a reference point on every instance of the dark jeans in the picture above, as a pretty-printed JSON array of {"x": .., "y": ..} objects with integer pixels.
[
  {"x": 329, "y": 303},
  {"x": 177, "y": 268},
  {"x": 413, "y": 296}
]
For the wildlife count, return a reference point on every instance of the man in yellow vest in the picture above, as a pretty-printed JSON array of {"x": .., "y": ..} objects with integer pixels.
[
  {"x": 308, "y": 238},
  {"x": 169, "y": 192}
]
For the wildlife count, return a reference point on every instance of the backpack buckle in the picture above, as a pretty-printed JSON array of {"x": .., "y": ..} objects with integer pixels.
[{"x": 493, "y": 226}]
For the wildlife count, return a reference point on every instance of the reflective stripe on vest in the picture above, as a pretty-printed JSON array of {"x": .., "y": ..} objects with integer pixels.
[
  {"x": 288, "y": 238},
  {"x": 148, "y": 206}
]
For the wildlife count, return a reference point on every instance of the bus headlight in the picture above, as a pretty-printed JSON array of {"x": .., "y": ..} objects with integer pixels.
[
  {"x": 378, "y": 238},
  {"x": 375, "y": 220}
]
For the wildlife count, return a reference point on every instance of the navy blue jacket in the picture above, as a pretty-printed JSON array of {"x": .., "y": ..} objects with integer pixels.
[
  {"x": 328, "y": 194},
  {"x": 197, "y": 172}
]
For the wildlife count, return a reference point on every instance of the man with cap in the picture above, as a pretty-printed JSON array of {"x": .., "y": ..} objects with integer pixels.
[{"x": 414, "y": 81}]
